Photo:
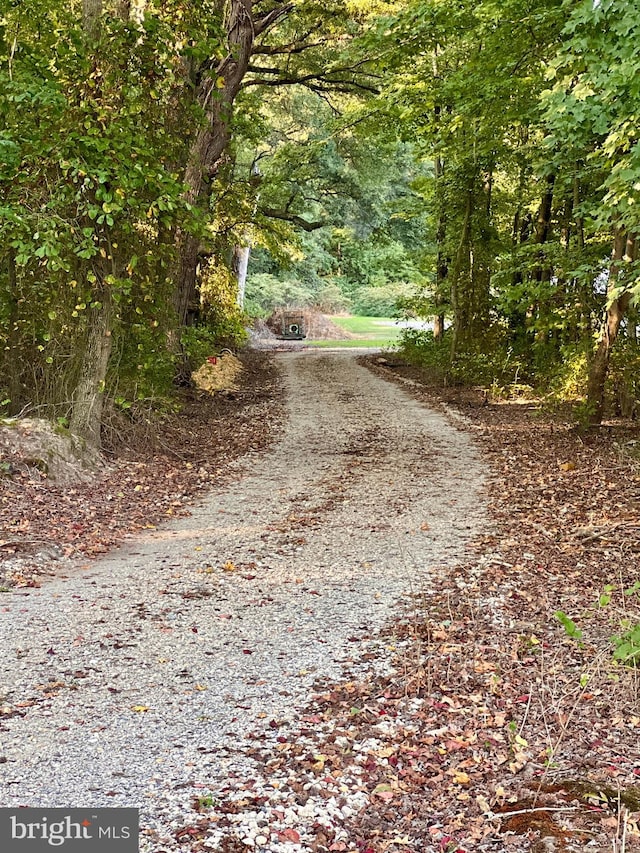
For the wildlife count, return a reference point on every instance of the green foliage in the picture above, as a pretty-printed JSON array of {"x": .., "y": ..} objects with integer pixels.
[
  {"x": 225, "y": 321},
  {"x": 627, "y": 646},
  {"x": 593, "y": 106},
  {"x": 199, "y": 342},
  {"x": 266, "y": 292},
  {"x": 570, "y": 627},
  {"x": 381, "y": 301},
  {"x": 475, "y": 169},
  {"x": 314, "y": 167},
  {"x": 626, "y": 641},
  {"x": 143, "y": 367},
  {"x": 419, "y": 347},
  {"x": 492, "y": 365},
  {"x": 88, "y": 193}
]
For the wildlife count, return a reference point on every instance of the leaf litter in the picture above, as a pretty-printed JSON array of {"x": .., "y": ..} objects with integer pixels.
[
  {"x": 157, "y": 465},
  {"x": 491, "y": 728},
  {"x": 494, "y": 729}
]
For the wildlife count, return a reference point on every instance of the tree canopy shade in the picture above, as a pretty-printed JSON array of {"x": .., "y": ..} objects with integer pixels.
[
  {"x": 478, "y": 161},
  {"x": 117, "y": 124},
  {"x": 528, "y": 112}
]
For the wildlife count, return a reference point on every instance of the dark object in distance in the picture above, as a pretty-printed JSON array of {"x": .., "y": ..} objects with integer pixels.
[{"x": 292, "y": 328}]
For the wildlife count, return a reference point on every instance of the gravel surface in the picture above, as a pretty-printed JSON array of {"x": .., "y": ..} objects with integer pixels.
[{"x": 148, "y": 679}]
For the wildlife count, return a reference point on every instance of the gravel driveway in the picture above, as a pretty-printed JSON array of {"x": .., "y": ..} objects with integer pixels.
[{"x": 144, "y": 680}]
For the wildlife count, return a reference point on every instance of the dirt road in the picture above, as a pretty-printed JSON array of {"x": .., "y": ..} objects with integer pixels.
[{"x": 138, "y": 682}]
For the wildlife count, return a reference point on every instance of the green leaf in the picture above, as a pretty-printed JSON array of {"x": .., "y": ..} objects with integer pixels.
[{"x": 570, "y": 627}]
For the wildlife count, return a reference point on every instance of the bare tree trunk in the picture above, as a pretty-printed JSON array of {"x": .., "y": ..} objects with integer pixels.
[
  {"x": 442, "y": 261},
  {"x": 543, "y": 227},
  {"x": 460, "y": 280},
  {"x": 624, "y": 251},
  {"x": 579, "y": 218},
  {"x": 88, "y": 397},
  {"x": 91, "y": 12},
  {"x": 543, "y": 219},
  {"x": 14, "y": 380},
  {"x": 240, "y": 267},
  {"x": 480, "y": 277}
]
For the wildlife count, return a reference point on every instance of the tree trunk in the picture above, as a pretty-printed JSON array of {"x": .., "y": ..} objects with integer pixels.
[
  {"x": 543, "y": 228},
  {"x": 579, "y": 218},
  {"x": 88, "y": 397},
  {"x": 442, "y": 261},
  {"x": 460, "y": 281},
  {"x": 215, "y": 95},
  {"x": 480, "y": 277},
  {"x": 240, "y": 267},
  {"x": 624, "y": 251},
  {"x": 14, "y": 379},
  {"x": 91, "y": 12},
  {"x": 211, "y": 141}
]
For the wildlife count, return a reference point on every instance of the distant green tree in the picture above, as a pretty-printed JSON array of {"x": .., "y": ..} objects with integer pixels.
[{"x": 593, "y": 114}]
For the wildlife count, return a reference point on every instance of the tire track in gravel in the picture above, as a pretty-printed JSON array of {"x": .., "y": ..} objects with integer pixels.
[{"x": 220, "y": 623}]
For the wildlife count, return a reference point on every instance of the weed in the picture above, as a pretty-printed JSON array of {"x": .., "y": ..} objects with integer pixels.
[
  {"x": 570, "y": 627},
  {"x": 206, "y": 801}
]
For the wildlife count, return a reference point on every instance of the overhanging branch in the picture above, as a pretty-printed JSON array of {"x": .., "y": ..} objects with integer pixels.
[
  {"x": 298, "y": 45},
  {"x": 293, "y": 218},
  {"x": 335, "y": 79},
  {"x": 260, "y": 25}
]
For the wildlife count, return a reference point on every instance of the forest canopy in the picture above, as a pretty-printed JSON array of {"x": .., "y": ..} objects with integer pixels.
[{"x": 474, "y": 163}]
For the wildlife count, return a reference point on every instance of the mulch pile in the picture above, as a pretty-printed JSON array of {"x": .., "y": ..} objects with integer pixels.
[{"x": 156, "y": 465}]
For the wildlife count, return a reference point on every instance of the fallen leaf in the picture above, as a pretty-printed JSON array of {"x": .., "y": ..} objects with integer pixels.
[{"x": 289, "y": 835}]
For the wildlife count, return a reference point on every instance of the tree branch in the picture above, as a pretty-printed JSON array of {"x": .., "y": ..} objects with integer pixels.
[
  {"x": 319, "y": 81},
  {"x": 316, "y": 83},
  {"x": 299, "y": 45},
  {"x": 291, "y": 217},
  {"x": 260, "y": 25}
]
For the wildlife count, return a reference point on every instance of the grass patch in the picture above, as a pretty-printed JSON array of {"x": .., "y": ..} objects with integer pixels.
[{"x": 380, "y": 329}]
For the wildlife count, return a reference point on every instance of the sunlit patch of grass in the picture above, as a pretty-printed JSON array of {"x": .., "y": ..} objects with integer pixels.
[{"x": 370, "y": 328}]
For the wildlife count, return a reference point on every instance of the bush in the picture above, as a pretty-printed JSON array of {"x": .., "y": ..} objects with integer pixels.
[
  {"x": 381, "y": 301},
  {"x": 199, "y": 342},
  {"x": 265, "y": 292},
  {"x": 491, "y": 365},
  {"x": 419, "y": 347},
  {"x": 331, "y": 300},
  {"x": 224, "y": 321}
]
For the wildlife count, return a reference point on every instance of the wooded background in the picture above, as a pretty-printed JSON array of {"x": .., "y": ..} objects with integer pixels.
[{"x": 478, "y": 163}]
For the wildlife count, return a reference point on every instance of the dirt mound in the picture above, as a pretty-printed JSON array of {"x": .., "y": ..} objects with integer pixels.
[
  {"x": 41, "y": 450},
  {"x": 318, "y": 327},
  {"x": 261, "y": 336}
]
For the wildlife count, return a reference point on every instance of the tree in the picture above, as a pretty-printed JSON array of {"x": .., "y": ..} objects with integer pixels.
[
  {"x": 594, "y": 106},
  {"x": 88, "y": 190},
  {"x": 301, "y": 58}
]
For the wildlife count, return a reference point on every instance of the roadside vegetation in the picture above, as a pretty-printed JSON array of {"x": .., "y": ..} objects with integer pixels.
[{"x": 170, "y": 171}]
